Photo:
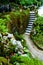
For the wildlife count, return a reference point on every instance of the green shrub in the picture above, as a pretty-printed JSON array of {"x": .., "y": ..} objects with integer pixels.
[
  {"x": 4, "y": 61},
  {"x": 37, "y": 35},
  {"x": 30, "y": 2},
  {"x": 25, "y": 60},
  {"x": 19, "y": 20},
  {"x": 3, "y": 23}
]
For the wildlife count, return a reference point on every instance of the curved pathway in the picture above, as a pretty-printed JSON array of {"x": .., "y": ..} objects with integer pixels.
[{"x": 36, "y": 53}]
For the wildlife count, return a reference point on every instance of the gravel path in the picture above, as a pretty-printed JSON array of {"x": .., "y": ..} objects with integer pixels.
[{"x": 33, "y": 49}]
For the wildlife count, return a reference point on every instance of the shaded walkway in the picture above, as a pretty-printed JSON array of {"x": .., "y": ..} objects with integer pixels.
[{"x": 33, "y": 49}]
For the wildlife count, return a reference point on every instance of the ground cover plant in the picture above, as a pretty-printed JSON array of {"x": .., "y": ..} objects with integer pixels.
[{"x": 37, "y": 35}]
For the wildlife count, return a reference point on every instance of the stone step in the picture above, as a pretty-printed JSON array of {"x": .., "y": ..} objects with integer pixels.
[
  {"x": 30, "y": 24},
  {"x": 28, "y": 31},
  {"x": 31, "y": 20},
  {"x": 29, "y": 28},
  {"x": 32, "y": 12},
  {"x": 32, "y": 16}
]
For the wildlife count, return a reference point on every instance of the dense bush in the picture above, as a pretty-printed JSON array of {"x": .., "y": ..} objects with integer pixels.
[
  {"x": 4, "y": 1},
  {"x": 3, "y": 23},
  {"x": 15, "y": 21},
  {"x": 4, "y": 61},
  {"x": 23, "y": 2},
  {"x": 37, "y": 35},
  {"x": 30, "y": 2},
  {"x": 25, "y": 60},
  {"x": 18, "y": 20},
  {"x": 27, "y": 2},
  {"x": 3, "y": 27}
]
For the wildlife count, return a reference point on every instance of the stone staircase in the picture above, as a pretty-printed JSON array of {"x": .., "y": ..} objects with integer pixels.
[{"x": 30, "y": 24}]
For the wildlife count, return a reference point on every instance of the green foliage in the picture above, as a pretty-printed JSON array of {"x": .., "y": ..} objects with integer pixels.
[
  {"x": 4, "y": 1},
  {"x": 19, "y": 59},
  {"x": 30, "y": 2},
  {"x": 18, "y": 36},
  {"x": 38, "y": 36},
  {"x": 19, "y": 21},
  {"x": 35, "y": 62},
  {"x": 21, "y": 38},
  {"x": 3, "y": 25},
  {"x": 23, "y": 2},
  {"x": 4, "y": 61},
  {"x": 6, "y": 49},
  {"x": 39, "y": 20},
  {"x": 13, "y": 59},
  {"x": 26, "y": 2},
  {"x": 32, "y": 62},
  {"x": 25, "y": 60},
  {"x": 41, "y": 2}
]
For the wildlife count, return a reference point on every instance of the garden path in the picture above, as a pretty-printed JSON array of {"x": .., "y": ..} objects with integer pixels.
[{"x": 36, "y": 53}]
